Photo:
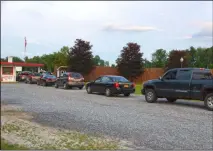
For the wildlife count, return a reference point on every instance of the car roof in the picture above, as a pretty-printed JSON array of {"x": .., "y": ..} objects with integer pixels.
[
  {"x": 194, "y": 69},
  {"x": 112, "y": 76}
]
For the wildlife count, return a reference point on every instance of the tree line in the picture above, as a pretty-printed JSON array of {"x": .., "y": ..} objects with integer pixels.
[{"x": 130, "y": 63}]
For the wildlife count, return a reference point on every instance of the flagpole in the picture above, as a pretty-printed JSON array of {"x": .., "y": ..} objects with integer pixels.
[{"x": 25, "y": 47}]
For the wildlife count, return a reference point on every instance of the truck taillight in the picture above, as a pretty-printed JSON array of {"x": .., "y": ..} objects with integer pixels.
[
  {"x": 69, "y": 78},
  {"x": 116, "y": 85},
  {"x": 133, "y": 85}
]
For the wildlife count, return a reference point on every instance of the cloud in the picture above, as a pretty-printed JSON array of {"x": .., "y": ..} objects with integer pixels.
[
  {"x": 114, "y": 27},
  {"x": 206, "y": 31}
]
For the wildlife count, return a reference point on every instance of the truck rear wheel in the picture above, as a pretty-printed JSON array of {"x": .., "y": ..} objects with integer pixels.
[
  {"x": 208, "y": 102},
  {"x": 150, "y": 96},
  {"x": 171, "y": 100}
]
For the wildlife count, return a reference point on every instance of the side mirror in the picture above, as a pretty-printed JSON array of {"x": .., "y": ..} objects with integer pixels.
[{"x": 160, "y": 78}]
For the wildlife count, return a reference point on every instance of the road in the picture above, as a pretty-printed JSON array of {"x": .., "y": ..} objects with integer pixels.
[{"x": 162, "y": 125}]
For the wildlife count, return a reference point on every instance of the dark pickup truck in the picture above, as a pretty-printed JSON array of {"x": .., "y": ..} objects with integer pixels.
[{"x": 181, "y": 83}]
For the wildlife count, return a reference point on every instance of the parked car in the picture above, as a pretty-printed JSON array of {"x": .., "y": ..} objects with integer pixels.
[
  {"x": 182, "y": 83},
  {"x": 46, "y": 80},
  {"x": 33, "y": 78},
  {"x": 111, "y": 85},
  {"x": 22, "y": 76},
  {"x": 69, "y": 80}
]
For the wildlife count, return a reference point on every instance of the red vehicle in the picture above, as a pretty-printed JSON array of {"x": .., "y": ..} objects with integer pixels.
[
  {"x": 23, "y": 76},
  {"x": 46, "y": 79},
  {"x": 33, "y": 78}
]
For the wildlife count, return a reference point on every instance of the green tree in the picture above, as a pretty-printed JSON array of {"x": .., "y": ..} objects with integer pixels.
[
  {"x": 113, "y": 66},
  {"x": 61, "y": 57},
  {"x": 147, "y": 63},
  {"x": 80, "y": 57},
  {"x": 130, "y": 62},
  {"x": 106, "y": 63},
  {"x": 159, "y": 58},
  {"x": 102, "y": 63},
  {"x": 96, "y": 60},
  {"x": 192, "y": 57}
]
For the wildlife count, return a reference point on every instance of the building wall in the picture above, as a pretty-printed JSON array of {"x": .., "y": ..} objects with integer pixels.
[{"x": 7, "y": 77}]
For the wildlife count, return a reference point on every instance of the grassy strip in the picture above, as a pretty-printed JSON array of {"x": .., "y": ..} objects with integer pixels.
[
  {"x": 138, "y": 88},
  {"x": 58, "y": 140},
  {"x": 7, "y": 146}
]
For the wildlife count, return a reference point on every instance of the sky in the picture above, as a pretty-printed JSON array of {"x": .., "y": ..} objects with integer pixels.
[{"x": 108, "y": 25}]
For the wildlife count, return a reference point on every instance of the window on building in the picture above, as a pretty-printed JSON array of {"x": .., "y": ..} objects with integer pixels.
[{"x": 7, "y": 70}]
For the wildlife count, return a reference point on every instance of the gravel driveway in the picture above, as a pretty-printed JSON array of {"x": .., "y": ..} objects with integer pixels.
[{"x": 162, "y": 125}]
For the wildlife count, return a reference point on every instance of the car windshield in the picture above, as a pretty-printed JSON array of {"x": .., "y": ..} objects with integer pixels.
[
  {"x": 50, "y": 76},
  {"x": 119, "y": 79},
  {"x": 76, "y": 75}
]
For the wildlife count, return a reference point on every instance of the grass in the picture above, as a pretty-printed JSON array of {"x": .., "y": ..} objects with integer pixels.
[
  {"x": 7, "y": 146},
  {"x": 138, "y": 88},
  {"x": 62, "y": 140}
]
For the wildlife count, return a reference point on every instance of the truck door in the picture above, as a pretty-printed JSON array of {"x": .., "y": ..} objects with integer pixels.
[
  {"x": 165, "y": 88},
  {"x": 182, "y": 84}
]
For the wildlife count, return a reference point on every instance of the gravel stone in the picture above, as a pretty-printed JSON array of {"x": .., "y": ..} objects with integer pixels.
[{"x": 184, "y": 125}]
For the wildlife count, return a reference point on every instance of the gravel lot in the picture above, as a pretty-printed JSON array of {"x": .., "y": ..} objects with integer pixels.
[{"x": 182, "y": 125}]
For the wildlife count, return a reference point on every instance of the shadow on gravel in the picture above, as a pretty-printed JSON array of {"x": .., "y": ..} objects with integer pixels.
[
  {"x": 190, "y": 104},
  {"x": 10, "y": 102}
]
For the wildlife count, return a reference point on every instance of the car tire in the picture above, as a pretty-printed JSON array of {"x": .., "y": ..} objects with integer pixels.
[
  {"x": 108, "y": 92},
  {"x": 126, "y": 94},
  {"x": 65, "y": 86},
  {"x": 89, "y": 90},
  {"x": 44, "y": 83},
  {"x": 81, "y": 87},
  {"x": 56, "y": 85},
  {"x": 171, "y": 100},
  {"x": 208, "y": 102},
  {"x": 150, "y": 96}
]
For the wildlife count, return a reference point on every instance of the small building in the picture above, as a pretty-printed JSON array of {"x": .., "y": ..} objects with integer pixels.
[{"x": 8, "y": 69}]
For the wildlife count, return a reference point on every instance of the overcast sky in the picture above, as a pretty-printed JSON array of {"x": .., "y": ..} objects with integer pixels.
[{"x": 107, "y": 25}]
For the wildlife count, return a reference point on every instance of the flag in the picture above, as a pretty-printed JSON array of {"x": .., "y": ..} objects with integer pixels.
[{"x": 25, "y": 42}]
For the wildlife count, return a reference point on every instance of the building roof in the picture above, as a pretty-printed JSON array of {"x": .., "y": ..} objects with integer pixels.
[{"x": 22, "y": 64}]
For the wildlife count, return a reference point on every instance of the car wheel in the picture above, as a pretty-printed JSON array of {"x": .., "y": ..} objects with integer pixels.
[
  {"x": 65, "y": 86},
  {"x": 171, "y": 100},
  {"x": 208, "y": 102},
  {"x": 56, "y": 85},
  {"x": 89, "y": 90},
  {"x": 150, "y": 96},
  {"x": 126, "y": 94},
  {"x": 26, "y": 81},
  {"x": 44, "y": 83},
  {"x": 81, "y": 87},
  {"x": 108, "y": 92}
]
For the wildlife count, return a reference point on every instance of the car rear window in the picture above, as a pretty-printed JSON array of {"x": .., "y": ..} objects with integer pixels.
[
  {"x": 202, "y": 76},
  {"x": 36, "y": 74},
  {"x": 119, "y": 79},
  {"x": 76, "y": 75}
]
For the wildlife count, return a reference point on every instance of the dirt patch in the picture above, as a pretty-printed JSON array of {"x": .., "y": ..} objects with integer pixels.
[{"x": 18, "y": 129}]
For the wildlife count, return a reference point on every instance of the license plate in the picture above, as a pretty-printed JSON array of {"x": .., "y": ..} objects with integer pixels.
[{"x": 126, "y": 86}]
